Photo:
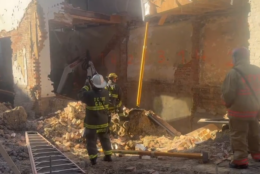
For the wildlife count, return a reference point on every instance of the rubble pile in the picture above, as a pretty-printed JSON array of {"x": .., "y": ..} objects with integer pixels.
[
  {"x": 14, "y": 142},
  {"x": 65, "y": 131},
  {"x": 3, "y": 108},
  {"x": 15, "y": 119}
]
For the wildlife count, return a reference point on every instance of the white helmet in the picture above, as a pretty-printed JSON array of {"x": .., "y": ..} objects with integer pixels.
[{"x": 98, "y": 81}]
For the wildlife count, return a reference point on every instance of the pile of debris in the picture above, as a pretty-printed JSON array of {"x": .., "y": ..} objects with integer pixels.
[
  {"x": 12, "y": 122},
  {"x": 66, "y": 129},
  {"x": 137, "y": 133}
]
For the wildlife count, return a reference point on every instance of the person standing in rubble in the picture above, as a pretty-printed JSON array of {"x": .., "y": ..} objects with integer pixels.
[
  {"x": 96, "y": 119},
  {"x": 115, "y": 95},
  {"x": 241, "y": 94}
]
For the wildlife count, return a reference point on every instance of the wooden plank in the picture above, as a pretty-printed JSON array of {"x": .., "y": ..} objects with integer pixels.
[
  {"x": 87, "y": 14},
  {"x": 186, "y": 7},
  {"x": 58, "y": 24},
  {"x": 164, "y": 124},
  {"x": 92, "y": 19},
  {"x": 162, "y": 19}
]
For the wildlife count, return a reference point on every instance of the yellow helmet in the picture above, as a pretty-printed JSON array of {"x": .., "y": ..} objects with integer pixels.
[{"x": 112, "y": 76}]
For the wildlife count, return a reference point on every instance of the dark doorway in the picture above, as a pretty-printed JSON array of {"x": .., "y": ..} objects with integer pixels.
[{"x": 6, "y": 72}]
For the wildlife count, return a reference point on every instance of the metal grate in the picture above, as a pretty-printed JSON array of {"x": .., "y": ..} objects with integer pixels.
[{"x": 46, "y": 158}]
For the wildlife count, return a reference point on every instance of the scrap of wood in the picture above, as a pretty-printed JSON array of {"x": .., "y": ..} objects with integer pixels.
[
  {"x": 187, "y": 7},
  {"x": 91, "y": 19},
  {"x": 163, "y": 19},
  {"x": 164, "y": 124}
]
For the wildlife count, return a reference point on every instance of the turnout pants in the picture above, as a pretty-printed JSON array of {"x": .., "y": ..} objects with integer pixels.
[
  {"x": 244, "y": 137},
  {"x": 91, "y": 137}
]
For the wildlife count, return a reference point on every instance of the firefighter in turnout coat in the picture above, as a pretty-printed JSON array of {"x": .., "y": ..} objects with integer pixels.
[
  {"x": 96, "y": 119},
  {"x": 115, "y": 95},
  {"x": 243, "y": 108}
]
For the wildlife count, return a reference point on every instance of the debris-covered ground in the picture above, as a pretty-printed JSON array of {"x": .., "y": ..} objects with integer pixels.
[
  {"x": 12, "y": 124},
  {"x": 65, "y": 127},
  {"x": 138, "y": 133}
]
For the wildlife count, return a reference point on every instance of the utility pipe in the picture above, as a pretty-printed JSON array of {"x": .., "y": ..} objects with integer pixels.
[{"x": 141, "y": 75}]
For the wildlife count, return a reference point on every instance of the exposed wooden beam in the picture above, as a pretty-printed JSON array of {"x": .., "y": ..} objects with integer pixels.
[
  {"x": 166, "y": 5},
  {"x": 116, "y": 19},
  {"x": 162, "y": 19},
  {"x": 92, "y": 19},
  {"x": 186, "y": 7}
]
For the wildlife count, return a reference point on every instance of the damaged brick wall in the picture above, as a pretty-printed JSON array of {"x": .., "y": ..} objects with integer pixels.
[
  {"x": 26, "y": 42},
  {"x": 220, "y": 35},
  {"x": 169, "y": 72},
  {"x": 200, "y": 71}
]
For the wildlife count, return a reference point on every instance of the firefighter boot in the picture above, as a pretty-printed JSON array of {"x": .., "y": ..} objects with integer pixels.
[
  {"x": 93, "y": 161},
  {"x": 107, "y": 158},
  {"x": 235, "y": 166}
]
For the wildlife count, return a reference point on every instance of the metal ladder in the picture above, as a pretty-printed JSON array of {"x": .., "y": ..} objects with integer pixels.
[{"x": 46, "y": 158}]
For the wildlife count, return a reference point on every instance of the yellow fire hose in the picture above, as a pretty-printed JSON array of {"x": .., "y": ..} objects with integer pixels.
[{"x": 141, "y": 75}]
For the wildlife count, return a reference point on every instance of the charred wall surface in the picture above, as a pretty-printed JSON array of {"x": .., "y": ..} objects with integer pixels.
[{"x": 70, "y": 45}]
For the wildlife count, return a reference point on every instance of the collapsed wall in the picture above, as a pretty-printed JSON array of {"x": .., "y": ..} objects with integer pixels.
[
  {"x": 65, "y": 131},
  {"x": 27, "y": 40}
]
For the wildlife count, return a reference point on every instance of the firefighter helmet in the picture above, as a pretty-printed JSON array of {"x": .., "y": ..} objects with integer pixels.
[
  {"x": 98, "y": 81},
  {"x": 112, "y": 76}
]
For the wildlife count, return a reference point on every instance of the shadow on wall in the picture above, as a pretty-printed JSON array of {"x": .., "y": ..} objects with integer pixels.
[
  {"x": 67, "y": 46},
  {"x": 6, "y": 74}
]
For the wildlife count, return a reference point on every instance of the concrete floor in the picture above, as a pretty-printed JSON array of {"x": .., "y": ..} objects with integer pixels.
[{"x": 166, "y": 166}]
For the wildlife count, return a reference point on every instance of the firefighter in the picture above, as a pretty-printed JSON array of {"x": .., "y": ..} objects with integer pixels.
[
  {"x": 240, "y": 91},
  {"x": 115, "y": 95},
  {"x": 96, "y": 119}
]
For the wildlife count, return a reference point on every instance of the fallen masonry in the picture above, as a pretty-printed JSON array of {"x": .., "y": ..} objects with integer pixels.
[
  {"x": 137, "y": 133},
  {"x": 66, "y": 129},
  {"x": 13, "y": 121}
]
